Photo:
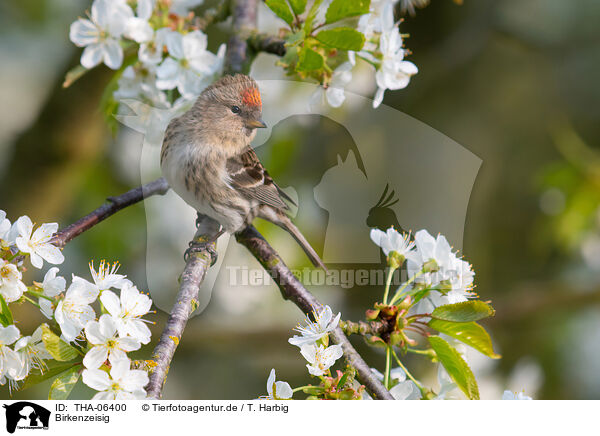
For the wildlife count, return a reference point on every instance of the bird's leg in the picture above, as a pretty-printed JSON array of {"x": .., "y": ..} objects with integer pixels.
[{"x": 196, "y": 246}]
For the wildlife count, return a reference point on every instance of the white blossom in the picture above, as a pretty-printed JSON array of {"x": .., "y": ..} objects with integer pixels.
[
  {"x": 140, "y": 83},
  {"x": 74, "y": 311},
  {"x": 392, "y": 240},
  {"x": 102, "y": 335},
  {"x": 106, "y": 277},
  {"x": 455, "y": 274},
  {"x": 32, "y": 352},
  {"x": 122, "y": 383},
  {"x": 38, "y": 245},
  {"x": 101, "y": 34},
  {"x": 138, "y": 28},
  {"x": 10, "y": 363},
  {"x": 334, "y": 94},
  {"x": 10, "y": 237},
  {"x": 508, "y": 395},
  {"x": 4, "y": 229},
  {"x": 190, "y": 66},
  {"x": 313, "y": 331},
  {"x": 394, "y": 72},
  {"x": 277, "y": 390},
  {"x": 127, "y": 311},
  {"x": 320, "y": 359},
  {"x": 53, "y": 284},
  {"x": 430, "y": 249},
  {"x": 150, "y": 53},
  {"x": 11, "y": 286},
  {"x": 371, "y": 23}
]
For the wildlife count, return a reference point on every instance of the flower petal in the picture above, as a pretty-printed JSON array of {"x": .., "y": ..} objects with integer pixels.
[
  {"x": 111, "y": 303},
  {"x": 96, "y": 379},
  {"x": 92, "y": 55},
  {"x": 83, "y": 32},
  {"x": 136, "y": 379},
  {"x": 94, "y": 358},
  {"x": 112, "y": 54}
]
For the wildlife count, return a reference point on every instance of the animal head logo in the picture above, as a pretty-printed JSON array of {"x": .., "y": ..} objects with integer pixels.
[{"x": 24, "y": 414}]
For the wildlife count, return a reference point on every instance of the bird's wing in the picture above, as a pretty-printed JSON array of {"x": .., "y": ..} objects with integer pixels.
[{"x": 250, "y": 178}]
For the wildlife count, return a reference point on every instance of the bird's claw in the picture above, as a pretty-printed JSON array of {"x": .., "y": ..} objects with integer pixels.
[{"x": 197, "y": 247}]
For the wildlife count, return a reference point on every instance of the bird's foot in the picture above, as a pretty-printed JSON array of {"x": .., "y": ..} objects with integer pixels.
[{"x": 198, "y": 246}]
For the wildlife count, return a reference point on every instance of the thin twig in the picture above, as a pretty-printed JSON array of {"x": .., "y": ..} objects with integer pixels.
[
  {"x": 115, "y": 204},
  {"x": 292, "y": 289},
  {"x": 186, "y": 302}
]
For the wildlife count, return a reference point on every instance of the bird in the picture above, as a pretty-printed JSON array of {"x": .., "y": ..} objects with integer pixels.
[{"x": 207, "y": 159}]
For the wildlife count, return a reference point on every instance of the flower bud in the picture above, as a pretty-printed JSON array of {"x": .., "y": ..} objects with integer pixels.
[
  {"x": 406, "y": 303},
  {"x": 430, "y": 266},
  {"x": 395, "y": 260},
  {"x": 397, "y": 338},
  {"x": 372, "y": 314}
]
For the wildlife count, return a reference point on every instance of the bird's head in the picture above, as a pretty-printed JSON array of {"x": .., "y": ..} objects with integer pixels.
[{"x": 231, "y": 109}]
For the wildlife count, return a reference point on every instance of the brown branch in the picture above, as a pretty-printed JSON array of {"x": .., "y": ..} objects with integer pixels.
[
  {"x": 267, "y": 43},
  {"x": 292, "y": 289},
  {"x": 115, "y": 204},
  {"x": 186, "y": 302},
  {"x": 243, "y": 13}
]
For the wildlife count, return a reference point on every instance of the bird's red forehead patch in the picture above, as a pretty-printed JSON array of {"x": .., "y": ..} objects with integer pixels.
[{"x": 251, "y": 97}]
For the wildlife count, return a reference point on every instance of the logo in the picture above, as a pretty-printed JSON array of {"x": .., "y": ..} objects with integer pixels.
[{"x": 26, "y": 415}]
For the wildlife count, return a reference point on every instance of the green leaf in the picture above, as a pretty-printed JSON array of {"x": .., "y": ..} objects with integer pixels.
[
  {"x": 465, "y": 311},
  {"x": 310, "y": 17},
  {"x": 281, "y": 9},
  {"x": 63, "y": 384},
  {"x": 339, "y": 9},
  {"x": 456, "y": 367},
  {"x": 343, "y": 38},
  {"x": 57, "y": 348},
  {"x": 6, "y": 317},
  {"x": 53, "y": 369},
  {"x": 294, "y": 38},
  {"x": 309, "y": 60},
  {"x": 469, "y": 333},
  {"x": 343, "y": 380},
  {"x": 298, "y": 6}
]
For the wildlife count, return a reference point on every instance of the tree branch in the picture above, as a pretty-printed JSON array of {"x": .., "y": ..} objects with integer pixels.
[
  {"x": 292, "y": 289},
  {"x": 185, "y": 304},
  {"x": 267, "y": 43},
  {"x": 115, "y": 204},
  {"x": 244, "y": 23}
]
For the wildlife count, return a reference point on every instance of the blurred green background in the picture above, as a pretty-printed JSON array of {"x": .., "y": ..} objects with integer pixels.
[{"x": 513, "y": 81}]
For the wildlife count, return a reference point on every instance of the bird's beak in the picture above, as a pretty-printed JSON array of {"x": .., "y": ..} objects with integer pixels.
[{"x": 255, "y": 124}]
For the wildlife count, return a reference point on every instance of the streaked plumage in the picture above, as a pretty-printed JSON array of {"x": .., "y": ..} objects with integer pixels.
[{"x": 207, "y": 159}]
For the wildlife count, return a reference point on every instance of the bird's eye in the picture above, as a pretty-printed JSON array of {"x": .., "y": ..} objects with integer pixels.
[{"x": 235, "y": 109}]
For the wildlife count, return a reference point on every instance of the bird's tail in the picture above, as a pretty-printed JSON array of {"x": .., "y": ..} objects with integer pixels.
[{"x": 285, "y": 223}]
